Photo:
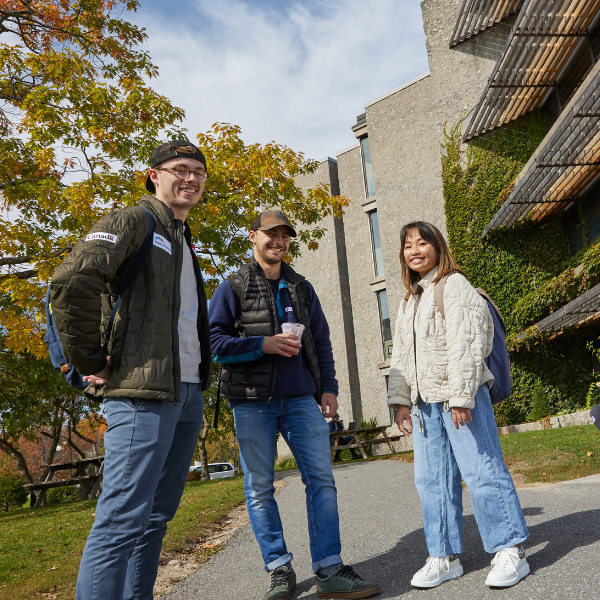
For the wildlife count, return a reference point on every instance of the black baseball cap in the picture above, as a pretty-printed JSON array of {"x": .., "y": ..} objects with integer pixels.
[
  {"x": 173, "y": 149},
  {"x": 272, "y": 217},
  {"x": 595, "y": 415}
]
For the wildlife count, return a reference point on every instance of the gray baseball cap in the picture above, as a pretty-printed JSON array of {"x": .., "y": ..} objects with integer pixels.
[{"x": 273, "y": 217}]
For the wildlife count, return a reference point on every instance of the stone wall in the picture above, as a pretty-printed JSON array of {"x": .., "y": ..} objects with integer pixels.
[
  {"x": 405, "y": 128},
  {"x": 326, "y": 269}
]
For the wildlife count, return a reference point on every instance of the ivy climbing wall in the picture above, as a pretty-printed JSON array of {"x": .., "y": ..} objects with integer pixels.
[{"x": 527, "y": 270}]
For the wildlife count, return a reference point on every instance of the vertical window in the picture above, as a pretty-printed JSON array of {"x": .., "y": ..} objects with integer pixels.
[
  {"x": 367, "y": 167},
  {"x": 384, "y": 319},
  {"x": 376, "y": 243}
]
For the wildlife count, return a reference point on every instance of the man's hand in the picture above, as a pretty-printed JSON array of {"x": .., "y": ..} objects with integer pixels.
[
  {"x": 461, "y": 415},
  {"x": 100, "y": 378},
  {"x": 285, "y": 344},
  {"x": 329, "y": 404},
  {"x": 403, "y": 415}
]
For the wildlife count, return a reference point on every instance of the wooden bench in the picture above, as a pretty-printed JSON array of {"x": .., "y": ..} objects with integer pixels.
[
  {"x": 362, "y": 444},
  {"x": 89, "y": 485}
]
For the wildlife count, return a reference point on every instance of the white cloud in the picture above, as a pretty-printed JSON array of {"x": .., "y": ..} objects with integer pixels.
[{"x": 296, "y": 73}]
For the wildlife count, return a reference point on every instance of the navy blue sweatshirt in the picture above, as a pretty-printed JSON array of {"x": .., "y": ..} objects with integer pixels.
[{"x": 293, "y": 373}]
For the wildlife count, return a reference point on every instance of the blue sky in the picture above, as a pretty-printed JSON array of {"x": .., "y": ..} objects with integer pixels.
[{"x": 295, "y": 72}]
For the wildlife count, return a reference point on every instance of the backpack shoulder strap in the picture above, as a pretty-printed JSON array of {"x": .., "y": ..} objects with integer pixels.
[
  {"x": 134, "y": 268},
  {"x": 136, "y": 263},
  {"x": 438, "y": 294},
  {"x": 239, "y": 289},
  {"x": 493, "y": 305}
]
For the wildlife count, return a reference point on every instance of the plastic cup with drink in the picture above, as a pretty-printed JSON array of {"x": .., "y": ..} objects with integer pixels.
[{"x": 291, "y": 326}]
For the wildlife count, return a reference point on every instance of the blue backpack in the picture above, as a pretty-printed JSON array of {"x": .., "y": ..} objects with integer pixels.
[
  {"x": 499, "y": 361},
  {"x": 55, "y": 349}
]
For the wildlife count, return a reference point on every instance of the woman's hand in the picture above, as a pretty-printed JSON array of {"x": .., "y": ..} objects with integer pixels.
[
  {"x": 461, "y": 416},
  {"x": 403, "y": 415}
]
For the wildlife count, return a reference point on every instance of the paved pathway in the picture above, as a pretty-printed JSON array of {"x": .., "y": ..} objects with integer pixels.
[{"x": 382, "y": 535}]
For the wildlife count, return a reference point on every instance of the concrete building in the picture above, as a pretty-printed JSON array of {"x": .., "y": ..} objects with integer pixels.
[{"x": 392, "y": 175}]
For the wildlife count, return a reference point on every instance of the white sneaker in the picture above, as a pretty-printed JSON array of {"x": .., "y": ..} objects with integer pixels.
[
  {"x": 436, "y": 571},
  {"x": 510, "y": 566}
]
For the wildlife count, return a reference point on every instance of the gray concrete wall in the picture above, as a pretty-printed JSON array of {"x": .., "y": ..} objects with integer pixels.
[
  {"x": 459, "y": 75},
  {"x": 326, "y": 269},
  {"x": 405, "y": 128},
  {"x": 363, "y": 285}
]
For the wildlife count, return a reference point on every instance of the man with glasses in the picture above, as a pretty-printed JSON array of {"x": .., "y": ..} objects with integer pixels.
[{"x": 158, "y": 362}]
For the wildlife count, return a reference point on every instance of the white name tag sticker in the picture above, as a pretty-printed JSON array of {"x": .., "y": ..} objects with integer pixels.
[
  {"x": 107, "y": 237},
  {"x": 160, "y": 242}
]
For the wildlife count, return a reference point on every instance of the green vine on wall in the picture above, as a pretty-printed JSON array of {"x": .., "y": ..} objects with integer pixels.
[{"x": 520, "y": 267}]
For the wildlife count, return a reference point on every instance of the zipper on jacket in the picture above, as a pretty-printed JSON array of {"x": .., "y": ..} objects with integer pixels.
[
  {"x": 276, "y": 323},
  {"x": 175, "y": 323},
  {"x": 415, "y": 310}
]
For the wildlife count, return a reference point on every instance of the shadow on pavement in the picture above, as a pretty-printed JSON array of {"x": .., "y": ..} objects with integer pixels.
[{"x": 394, "y": 569}]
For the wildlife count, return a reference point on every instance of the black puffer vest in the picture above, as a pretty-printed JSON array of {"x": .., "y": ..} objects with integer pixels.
[{"x": 256, "y": 379}]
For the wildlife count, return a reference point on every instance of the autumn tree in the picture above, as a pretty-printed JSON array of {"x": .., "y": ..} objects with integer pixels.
[
  {"x": 243, "y": 180},
  {"x": 78, "y": 121}
]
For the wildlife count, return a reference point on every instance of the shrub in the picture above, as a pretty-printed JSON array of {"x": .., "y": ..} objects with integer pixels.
[
  {"x": 288, "y": 464},
  {"x": 195, "y": 475},
  {"x": 367, "y": 436},
  {"x": 12, "y": 492},
  {"x": 539, "y": 403},
  {"x": 60, "y": 495}
]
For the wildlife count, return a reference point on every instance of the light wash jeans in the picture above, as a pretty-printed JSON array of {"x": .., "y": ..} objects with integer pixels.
[
  {"x": 442, "y": 455},
  {"x": 148, "y": 450},
  {"x": 302, "y": 425}
]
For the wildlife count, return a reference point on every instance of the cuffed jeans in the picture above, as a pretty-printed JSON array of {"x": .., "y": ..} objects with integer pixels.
[
  {"x": 442, "y": 455},
  {"x": 148, "y": 450},
  {"x": 303, "y": 427}
]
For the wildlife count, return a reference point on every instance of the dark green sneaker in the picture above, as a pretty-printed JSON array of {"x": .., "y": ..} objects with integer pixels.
[
  {"x": 283, "y": 582},
  {"x": 345, "y": 583}
]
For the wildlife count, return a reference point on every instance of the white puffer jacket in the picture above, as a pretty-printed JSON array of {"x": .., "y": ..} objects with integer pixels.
[{"x": 448, "y": 365}]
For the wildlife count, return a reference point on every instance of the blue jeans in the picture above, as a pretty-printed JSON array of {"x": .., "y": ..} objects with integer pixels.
[
  {"x": 442, "y": 455},
  {"x": 303, "y": 427},
  {"x": 148, "y": 450}
]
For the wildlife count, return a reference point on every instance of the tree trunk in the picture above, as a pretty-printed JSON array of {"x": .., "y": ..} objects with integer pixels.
[
  {"x": 202, "y": 449},
  {"x": 19, "y": 459},
  {"x": 56, "y": 430},
  {"x": 70, "y": 431}
]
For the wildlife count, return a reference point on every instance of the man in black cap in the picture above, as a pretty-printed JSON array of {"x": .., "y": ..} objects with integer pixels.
[
  {"x": 157, "y": 363},
  {"x": 272, "y": 378}
]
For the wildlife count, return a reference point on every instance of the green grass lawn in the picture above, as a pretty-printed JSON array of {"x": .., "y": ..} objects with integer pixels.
[
  {"x": 545, "y": 455},
  {"x": 40, "y": 548},
  {"x": 553, "y": 454}
]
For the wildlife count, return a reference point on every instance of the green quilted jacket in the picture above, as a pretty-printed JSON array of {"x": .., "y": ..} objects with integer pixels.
[{"x": 144, "y": 344}]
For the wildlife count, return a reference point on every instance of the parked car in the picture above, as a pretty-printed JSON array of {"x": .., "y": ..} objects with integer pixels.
[{"x": 217, "y": 470}]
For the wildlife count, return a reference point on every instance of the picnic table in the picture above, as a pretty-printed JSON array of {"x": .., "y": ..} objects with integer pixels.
[
  {"x": 89, "y": 485},
  {"x": 362, "y": 444}
]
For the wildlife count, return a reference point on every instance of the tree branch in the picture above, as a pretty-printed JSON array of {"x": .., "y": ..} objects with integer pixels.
[
  {"x": 18, "y": 181},
  {"x": 20, "y": 260},
  {"x": 20, "y": 275}
]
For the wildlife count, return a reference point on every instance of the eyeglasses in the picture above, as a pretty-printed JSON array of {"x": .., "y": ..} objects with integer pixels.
[{"x": 184, "y": 173}]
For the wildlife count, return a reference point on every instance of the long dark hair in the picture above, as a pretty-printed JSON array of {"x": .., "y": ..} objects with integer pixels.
[{"x": 430, "y": 233}]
